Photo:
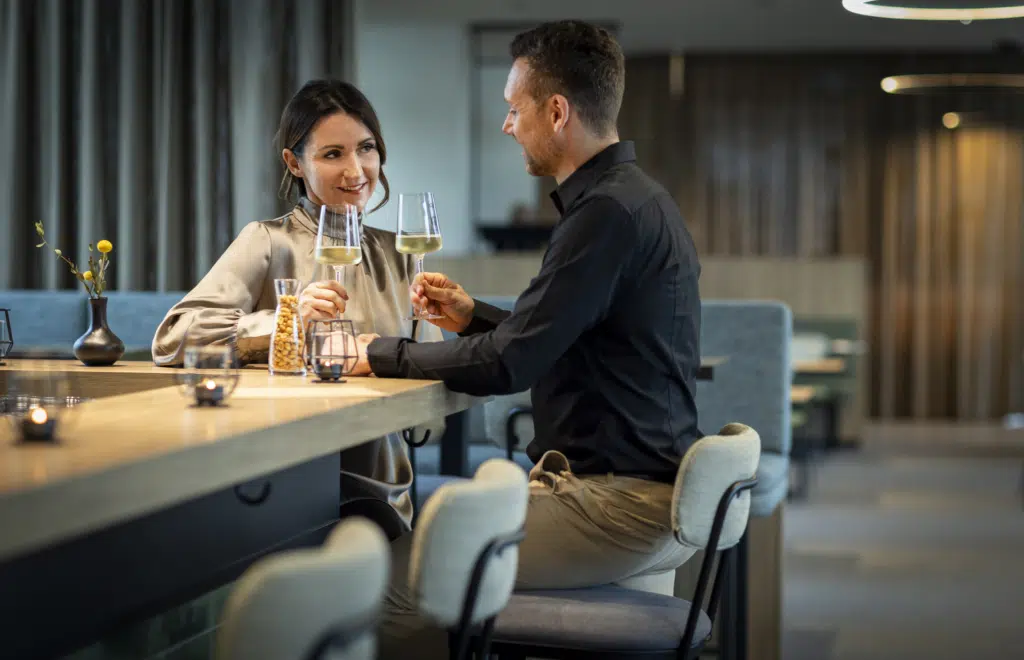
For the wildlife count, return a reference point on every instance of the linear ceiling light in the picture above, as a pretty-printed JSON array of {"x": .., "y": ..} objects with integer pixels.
[
  {"x": 881, "y": 9},
  {"x": 919, "y": 82}
]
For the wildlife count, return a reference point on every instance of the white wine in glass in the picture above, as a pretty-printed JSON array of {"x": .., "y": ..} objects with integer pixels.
[
  {"x": 419, "y": 233},
  {"x": 339, "y": 238}
]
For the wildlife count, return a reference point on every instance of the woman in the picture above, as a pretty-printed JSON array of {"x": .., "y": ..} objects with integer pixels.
[{"x": 333, "y": 152}]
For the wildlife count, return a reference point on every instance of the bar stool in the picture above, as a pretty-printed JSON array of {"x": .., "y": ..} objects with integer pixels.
[
  {"x": 465, "y": 553},
  {"x": 311, "y": 603},
  {"x": 710, "y": 512}
]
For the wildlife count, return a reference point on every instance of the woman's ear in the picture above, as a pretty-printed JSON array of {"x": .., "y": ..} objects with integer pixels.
[{"x": 291, "y": 162}]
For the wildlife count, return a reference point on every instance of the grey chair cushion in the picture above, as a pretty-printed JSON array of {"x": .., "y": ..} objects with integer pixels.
[
  {"x": 608, "y": 618},
  {"x": 428, "y": 458},
  {"x": 427, "y": 484},
  {"x": 772, "y": 484}
]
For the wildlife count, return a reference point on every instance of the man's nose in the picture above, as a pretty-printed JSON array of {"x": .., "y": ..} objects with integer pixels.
[{"x": 506, "y": 126}]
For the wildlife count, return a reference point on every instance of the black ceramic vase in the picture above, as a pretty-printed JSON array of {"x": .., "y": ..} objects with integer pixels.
[{"x": 99, "y": 346}]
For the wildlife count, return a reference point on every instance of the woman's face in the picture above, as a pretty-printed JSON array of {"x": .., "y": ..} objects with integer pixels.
[{"x": 340, "y": 163}]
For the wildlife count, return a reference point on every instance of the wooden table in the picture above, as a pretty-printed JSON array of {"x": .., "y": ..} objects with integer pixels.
[
  {"x": 823, "y": 366},
  {"x": 147, "y": 501}
]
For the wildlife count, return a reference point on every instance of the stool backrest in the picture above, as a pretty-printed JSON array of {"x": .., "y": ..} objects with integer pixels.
[
  {"x": 456, "y": 525},
  {"x": 708, "y": 469},
  {"x": 310, "y": 603}
]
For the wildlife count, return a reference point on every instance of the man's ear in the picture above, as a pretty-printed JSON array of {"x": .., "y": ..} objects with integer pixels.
[{"x": 558, "y": 109}]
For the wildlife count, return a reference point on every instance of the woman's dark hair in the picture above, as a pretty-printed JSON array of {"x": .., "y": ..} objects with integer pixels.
[{"x": 318, "y": 99}]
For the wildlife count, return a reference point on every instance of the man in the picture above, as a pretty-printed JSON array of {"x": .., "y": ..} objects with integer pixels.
[{"x": 606, "y": 335}]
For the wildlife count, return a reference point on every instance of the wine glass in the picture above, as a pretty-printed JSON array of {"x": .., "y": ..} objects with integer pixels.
[
  {"x": 419, "y": 233},
  {"x": 338, "y": 238}
]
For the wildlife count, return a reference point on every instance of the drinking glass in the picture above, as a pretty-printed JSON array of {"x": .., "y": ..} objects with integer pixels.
[
  {"x": 338, "y": 238},
  {"x": 419, "y": 233}
]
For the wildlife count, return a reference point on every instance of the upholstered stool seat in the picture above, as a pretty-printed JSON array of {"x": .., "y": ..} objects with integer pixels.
[{"x": 609, "y": 618}]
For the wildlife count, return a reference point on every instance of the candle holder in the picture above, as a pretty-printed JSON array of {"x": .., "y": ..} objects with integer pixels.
[
  {"x": 6, "y": 335},
  {"x": 39, "y": 407},
  {"x": 333, "y": 351},
  {"x": 209, "y": 374}
]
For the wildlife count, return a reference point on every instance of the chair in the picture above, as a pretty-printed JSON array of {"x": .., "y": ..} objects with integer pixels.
[
  {"x": 710, "y": 512},
  {"x": 465, "y": 553},
  {"x": 305, "y": 604}
]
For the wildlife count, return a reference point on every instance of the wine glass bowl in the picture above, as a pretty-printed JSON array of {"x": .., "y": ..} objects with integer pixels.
[
  {"x": 418, "y": 234},
  {"x": 339, "y": 238}
]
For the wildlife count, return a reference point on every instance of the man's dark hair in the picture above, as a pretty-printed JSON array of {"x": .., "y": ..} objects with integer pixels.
[{"x": 580, "y": 61}]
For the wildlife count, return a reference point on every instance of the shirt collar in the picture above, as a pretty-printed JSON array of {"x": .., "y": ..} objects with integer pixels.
[{"x": 566, "y": 194}]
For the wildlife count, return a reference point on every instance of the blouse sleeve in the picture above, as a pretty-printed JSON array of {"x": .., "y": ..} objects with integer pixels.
[{"x": 221, "y": 309}]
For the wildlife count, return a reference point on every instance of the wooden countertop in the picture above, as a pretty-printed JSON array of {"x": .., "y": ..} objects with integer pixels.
[
  {"x": 128, "y": 455},
  {"x": 822, "y": 366}
]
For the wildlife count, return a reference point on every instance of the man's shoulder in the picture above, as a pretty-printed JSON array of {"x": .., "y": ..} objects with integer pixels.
[{"x": 629, "y": 185}]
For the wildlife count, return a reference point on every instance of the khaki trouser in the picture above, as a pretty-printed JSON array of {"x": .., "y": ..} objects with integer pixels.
[{"x": 581, "y": 531}]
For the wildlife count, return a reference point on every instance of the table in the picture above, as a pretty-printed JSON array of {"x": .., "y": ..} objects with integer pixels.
[
  {"x": 832, "y": 365},
  {"x": 148, "y": 502}
]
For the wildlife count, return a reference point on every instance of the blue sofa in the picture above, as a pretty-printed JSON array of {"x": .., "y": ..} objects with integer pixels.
[{"x": 50, "y": 321}]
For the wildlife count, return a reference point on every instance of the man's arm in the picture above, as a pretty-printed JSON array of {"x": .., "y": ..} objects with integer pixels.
[
  {"x": 572, "y": 292},
  {"x": 485, "y": 318}
]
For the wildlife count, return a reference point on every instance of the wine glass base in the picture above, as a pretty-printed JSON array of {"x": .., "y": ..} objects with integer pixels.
[{"x": 423, "y": 317}]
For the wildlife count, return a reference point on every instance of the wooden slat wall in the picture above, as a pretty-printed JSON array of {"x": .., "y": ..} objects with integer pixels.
[{"x": 804, "y": 156}]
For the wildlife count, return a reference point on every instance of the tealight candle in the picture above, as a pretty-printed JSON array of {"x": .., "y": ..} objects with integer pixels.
[
  {"x": 37, "y": 424},
  {"x": 328, "y": 370},
  {"x": 209, "y": 393}
]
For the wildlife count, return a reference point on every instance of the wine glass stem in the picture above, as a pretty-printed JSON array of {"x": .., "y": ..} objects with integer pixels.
[
  {"x": 339, "y": 277},
  {"x": 417, "y": 311}
]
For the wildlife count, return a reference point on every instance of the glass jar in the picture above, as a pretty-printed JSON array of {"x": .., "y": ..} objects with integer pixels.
[{"x": 288, "y": 343}]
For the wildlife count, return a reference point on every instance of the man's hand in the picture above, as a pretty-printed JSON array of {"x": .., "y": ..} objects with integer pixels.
[
  {"x": 362, "y": 367},
  {"x": 322, "y": 301},
  {"x": 439, "y": 295}
]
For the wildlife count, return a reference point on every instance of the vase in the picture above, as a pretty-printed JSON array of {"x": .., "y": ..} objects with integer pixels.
[{"x": 99, "y": 346}]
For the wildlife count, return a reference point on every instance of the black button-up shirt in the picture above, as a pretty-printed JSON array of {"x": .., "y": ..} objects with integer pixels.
[{"x": 606, "y": 335}]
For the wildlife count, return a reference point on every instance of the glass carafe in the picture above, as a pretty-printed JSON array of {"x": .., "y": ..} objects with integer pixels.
[{"x": 288, "y": 343}]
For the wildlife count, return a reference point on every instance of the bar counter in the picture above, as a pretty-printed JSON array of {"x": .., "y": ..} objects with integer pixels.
[{"x": 147, "y": 501}]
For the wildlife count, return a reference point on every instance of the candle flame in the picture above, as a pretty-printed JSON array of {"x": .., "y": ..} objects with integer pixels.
[
  {"x": 211, "y": 385},
  {"x": 39, "y": 416}
]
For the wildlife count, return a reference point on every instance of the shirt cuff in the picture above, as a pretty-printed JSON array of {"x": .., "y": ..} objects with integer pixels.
[
  {"x": 485, "y": 318},
  {"x": 382, "y": 354}
]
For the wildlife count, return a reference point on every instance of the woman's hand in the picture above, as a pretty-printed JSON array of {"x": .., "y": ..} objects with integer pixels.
[
  {"x": 439, "y": 295},
  {"x": 322, "y": 301}
]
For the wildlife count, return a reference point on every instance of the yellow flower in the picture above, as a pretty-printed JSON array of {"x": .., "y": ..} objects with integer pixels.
[
  {"x": 104, "y": 246},
  {"x": 87, "y": 275}
]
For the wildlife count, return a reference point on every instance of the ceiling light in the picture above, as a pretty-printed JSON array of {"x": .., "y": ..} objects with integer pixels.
[
  {"x": 883, "y": 9},
  {"x": 951, "y": 120},
  {"x": 927, "y": 81}
]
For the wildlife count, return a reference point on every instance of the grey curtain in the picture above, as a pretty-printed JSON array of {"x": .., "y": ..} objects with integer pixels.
[
  {"x": 805, "y": 156},
  {"x": 149, "y": 123}
]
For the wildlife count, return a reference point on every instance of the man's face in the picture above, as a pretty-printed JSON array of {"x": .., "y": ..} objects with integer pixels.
[{"x": 529, "y": 122}]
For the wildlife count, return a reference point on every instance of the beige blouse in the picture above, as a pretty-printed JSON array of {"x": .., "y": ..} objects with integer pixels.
[{"x": 234, "y": 304}]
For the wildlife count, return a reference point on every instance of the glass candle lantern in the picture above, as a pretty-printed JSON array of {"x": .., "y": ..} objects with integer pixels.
[
  {"x": 332, "y": 349},
  {"x": 6, "y": 336},
  {"x": 39, "y": 406},
  {"x": 209, "y": 374}
]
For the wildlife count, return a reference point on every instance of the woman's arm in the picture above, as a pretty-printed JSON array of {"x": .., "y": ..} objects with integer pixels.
[{"x": 221, "y": 309}]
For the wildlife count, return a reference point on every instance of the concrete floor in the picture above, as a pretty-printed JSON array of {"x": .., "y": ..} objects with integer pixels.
[{"x": 910, "y": 547}]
